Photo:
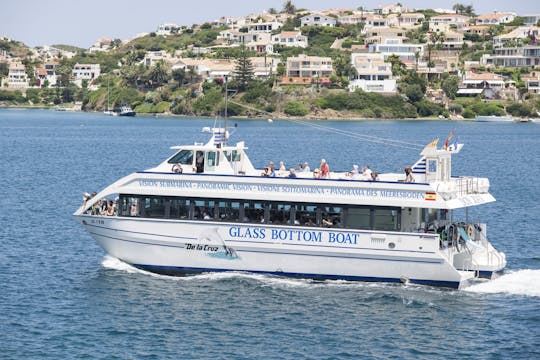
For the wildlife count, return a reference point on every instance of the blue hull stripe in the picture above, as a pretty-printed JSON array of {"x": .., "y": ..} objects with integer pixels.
[{"x": 175, "y": 270}]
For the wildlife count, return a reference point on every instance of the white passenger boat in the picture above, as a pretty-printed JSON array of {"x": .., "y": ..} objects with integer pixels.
[
  {"x": 206, "y": 208},
  {"x": 493, "y": 118}
]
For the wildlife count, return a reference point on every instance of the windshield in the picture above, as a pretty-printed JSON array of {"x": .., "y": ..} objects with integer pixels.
[{"x": 183, "y": 157}]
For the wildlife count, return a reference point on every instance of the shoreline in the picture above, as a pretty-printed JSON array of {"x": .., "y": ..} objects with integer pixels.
[{"x": 278, "y": 116}]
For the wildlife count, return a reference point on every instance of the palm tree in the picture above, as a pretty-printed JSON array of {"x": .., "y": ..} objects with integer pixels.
[{"x": 289, "y": 8}]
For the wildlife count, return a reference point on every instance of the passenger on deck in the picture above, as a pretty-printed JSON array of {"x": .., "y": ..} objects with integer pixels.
[
  {"x": 86, "y": 197},
  {"x": 306, "y": 167},
  {"x": 354, "y": 172},
  {"x": 282, "y": 166},
  {"x": 316, "y": 173},
  {"x": 325, "y": 170},
  {"x": 374, "y": 176},
  {"x": 292, "y": 173},
  {"x": 408, "y": 175},
  {"x": 266, "y": 172},
  {"x": 367, "y": 172},
  {"x": 111, "y": 208},
  {"x": 272, "y": 169},
  {"x": 299, "y": 167}
]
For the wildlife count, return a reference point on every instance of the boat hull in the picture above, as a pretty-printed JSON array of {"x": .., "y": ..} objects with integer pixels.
[{"x": 184, "y": 247}]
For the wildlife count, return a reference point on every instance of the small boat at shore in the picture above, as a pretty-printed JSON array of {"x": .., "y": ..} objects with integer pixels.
[
  {"x": 125, "y": 111},
  {"x": 493, "y": 118}
]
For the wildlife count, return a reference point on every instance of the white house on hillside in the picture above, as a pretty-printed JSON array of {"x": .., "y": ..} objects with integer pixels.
[
  {"x": 318, "y": 20},
  {"x": 494, "y": 19},
  {"x": 167, "y": 29},
  {"x": 397, "y": 47},
  {"x": 17, "y": 78},
  {"x": 373, "y": 74},
  {"x": 86, "y": 71},
  {"x": 290, "y": 38}
]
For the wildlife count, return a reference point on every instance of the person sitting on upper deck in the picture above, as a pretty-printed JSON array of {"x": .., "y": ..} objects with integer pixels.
[
  {"x": 266, "y": 172},
  {"x": 374, "y": 176},
  {"x": 292, "y": 173},
  {"x": 316, "y": 173},
  {"x": 325, "y": 170},
  {"x": 300, "y": 167},
  {"x": 354, "y": 171},
  {"x": 367, "y": 172},
  {"x": 306, "y": 167},
  {"x": 272, "y": 169},
  {"x": 282, "y": 166},
  {"x": 408, "y": 174}
]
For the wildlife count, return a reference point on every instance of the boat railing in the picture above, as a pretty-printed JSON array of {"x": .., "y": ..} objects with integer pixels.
[{"x": 464, "y": 185}]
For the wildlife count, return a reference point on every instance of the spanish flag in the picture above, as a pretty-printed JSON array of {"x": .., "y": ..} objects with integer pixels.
[{"x": 431, "y": 196}]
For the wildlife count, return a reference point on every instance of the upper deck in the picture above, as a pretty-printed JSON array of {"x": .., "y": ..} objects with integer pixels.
[{"x": 216, "y": 170}]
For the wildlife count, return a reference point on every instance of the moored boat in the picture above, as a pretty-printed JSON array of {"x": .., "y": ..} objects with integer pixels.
[
  {"x": 207, "y": 208},
  {"x": 493, "y": 118},
  {"x": 125, "y": 111}
]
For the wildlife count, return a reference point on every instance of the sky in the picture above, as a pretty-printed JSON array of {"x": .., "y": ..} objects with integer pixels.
[{"x": 81, "y": 23}]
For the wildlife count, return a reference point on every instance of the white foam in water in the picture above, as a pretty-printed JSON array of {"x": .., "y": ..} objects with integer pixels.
[
  {"x": 519, "y": 282},
  {"x": 110, "y": 262}
]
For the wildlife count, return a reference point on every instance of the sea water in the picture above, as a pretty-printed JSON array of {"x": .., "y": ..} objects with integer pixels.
[{"x": 61, "y": 297}]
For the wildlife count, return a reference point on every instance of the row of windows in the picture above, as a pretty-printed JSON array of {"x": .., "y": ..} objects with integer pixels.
[{"x": 257, "y": 212}]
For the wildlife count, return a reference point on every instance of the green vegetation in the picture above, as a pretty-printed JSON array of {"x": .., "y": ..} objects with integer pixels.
[
  {"x": 295, "y": 108},
  {"x": 368, "y": 104}
]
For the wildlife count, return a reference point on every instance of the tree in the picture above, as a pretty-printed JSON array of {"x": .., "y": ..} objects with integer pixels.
[
  {"x": 414, "y": 93},
  {"x": 64, "y": 75},
  {"x": 397, "y": 65},
  {"x": 458, "y": 8},
  {"x": 243, "y": 73},
  {"x": 158, "y": 74},
  {"x": 179, "y": 75},
  {"x": 450, "y": 86},
  {"x": 288, "y": 7}
]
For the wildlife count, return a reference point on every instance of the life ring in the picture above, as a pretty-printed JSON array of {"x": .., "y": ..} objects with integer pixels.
[{"x": 470, "y": 231}]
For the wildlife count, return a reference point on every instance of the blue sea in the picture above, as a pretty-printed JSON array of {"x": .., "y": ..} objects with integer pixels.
[{"x": 61, "y": 297}]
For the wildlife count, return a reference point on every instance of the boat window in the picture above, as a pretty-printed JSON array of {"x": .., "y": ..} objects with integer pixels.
[
  {"x": 256, "y": 212},
  {"x": 179, "y": 209},
  {"x": 253, "y": 212},
  {"x": 359, "y": 218},
  {"x": 305, "y": 215},
  {"x": 233, "y": 155},
  {"x": 129, "y": 206},
  {"x": 387, "y": 219},
  {"x": 330, "y": 216},
  {"x": 280, "y": 213},
  {"x": 184, "y": 157},
  {"x": 212, "y": 160},
  {"x": 229, "y": 210},
  {"x": 204, "y": 209},
  {"x": 154, "y": 207}
]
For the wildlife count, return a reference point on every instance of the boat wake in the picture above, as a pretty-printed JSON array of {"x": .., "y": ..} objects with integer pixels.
[
  {"x": 519, "y": 282},
  {"x": 110, "y": 262}
]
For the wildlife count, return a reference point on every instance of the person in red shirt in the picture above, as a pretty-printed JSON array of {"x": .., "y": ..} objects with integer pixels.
[{"x": 324, "y": 170}]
